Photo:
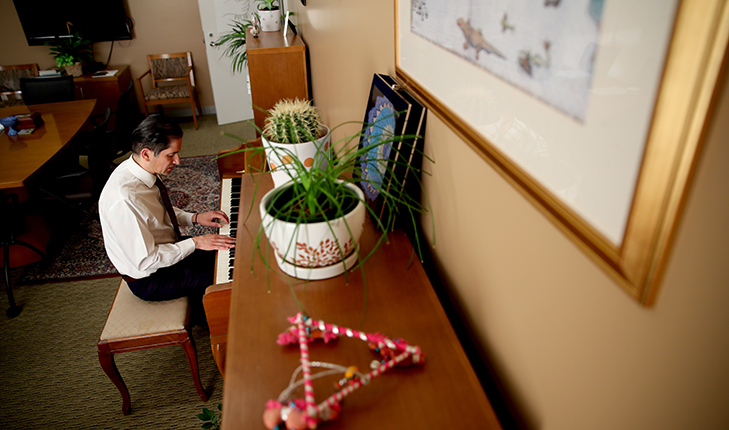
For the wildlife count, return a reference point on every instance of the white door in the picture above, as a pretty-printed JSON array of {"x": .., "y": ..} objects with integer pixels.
[{"x": 231, "y": 91}]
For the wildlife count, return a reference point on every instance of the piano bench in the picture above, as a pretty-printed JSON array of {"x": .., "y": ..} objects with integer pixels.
[{"x": 134, "y": 324}]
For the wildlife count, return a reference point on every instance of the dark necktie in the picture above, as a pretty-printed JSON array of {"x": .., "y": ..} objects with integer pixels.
[{"x": 168, "y": 205}]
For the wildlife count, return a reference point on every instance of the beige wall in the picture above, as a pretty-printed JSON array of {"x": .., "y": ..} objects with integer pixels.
[
  {"x": 574, "y": 351},
  {"x": 160, "y": 26}
]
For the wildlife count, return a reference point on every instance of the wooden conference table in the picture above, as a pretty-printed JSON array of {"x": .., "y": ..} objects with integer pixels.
[
  {"x": 444, "y": 393},
  {"x": 22, "y": 156}
]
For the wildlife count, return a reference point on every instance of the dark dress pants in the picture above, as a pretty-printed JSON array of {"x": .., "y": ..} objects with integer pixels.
[{"x": 188, "y": 278}]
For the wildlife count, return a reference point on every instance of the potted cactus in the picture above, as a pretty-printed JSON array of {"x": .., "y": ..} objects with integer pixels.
[{"x": 294, "y": 137}]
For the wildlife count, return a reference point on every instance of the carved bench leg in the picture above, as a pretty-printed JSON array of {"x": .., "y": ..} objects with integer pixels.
[
  {"x": 106, "y": 358},
  {"x": 189, "y": 347}
]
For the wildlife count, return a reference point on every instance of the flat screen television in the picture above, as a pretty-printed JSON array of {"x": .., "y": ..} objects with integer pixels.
[{"x": 96, "y": 20}]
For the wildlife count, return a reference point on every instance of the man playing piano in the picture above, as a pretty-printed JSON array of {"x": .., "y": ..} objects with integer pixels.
[{"x": 141, "y": 227}]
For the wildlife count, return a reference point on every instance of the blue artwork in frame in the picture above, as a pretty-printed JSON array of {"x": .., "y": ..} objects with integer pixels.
[{"x": 392, "y": 168}]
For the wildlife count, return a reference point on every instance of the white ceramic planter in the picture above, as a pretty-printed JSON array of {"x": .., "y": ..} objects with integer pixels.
[
  {"x": 314, "y": 251},
  {"x": 280, "y": 157},
  {"x": 270, "y": 20}
]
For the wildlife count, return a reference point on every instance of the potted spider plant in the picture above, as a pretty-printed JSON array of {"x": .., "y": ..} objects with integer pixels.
[
  {"x": 270, "y": 15},
  {"x": 235, "y": 44},
  {"x": 314, "y": 221},
  {"x": 293, "y": 130},
  {"x": 69, "y": 52}
]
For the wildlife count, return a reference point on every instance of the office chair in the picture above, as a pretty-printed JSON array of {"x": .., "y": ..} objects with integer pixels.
[
  {"x": 24, "y": 237},
  {"x": 66, "y": 181},
  {"x": 126, "y": 119},
  {"x": 49, "y": 89}
]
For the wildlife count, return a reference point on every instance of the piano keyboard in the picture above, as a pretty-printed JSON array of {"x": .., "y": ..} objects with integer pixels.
[{"x": 229, "y": 203}]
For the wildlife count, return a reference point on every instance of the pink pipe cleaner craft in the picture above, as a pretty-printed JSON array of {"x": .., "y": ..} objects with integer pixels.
[{"x": 300, "y": 414}]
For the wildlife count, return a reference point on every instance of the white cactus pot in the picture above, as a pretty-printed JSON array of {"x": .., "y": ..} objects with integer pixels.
[
  {"x": 314, "y": 251},
  {"x": 270, "y": 20},
  {"x": 280, "y": 157}
]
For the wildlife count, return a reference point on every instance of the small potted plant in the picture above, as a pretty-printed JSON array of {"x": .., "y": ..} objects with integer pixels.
[
  {"x": 70, "y": 52},
  {"x": 293, "y": 130},
  {"x": 313, "y": 222},
  {"x": 270, "y": 14}
]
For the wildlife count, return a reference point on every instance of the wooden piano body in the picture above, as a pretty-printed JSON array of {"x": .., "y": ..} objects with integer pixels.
[
  {"x": 444, "y": 392},
  {"x": 217, "y": 309}
]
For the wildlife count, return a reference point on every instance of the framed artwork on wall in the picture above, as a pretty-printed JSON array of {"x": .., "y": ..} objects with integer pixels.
[
  {"x": 598, "y": 123},
  {"x": 393, "y": 168}
]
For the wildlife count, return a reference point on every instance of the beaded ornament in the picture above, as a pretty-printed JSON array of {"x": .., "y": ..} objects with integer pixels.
[{"x": 304, "y": 413}]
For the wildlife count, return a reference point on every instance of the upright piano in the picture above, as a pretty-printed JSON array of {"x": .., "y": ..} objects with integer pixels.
[{"x": 400, "y": 302}]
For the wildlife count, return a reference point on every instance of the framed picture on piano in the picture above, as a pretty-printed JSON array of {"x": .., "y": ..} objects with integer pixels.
[{"x": 395, "y": 167}]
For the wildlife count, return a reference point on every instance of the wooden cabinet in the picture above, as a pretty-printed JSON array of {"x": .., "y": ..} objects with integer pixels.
[
  {"x": 106, "y": 90},
  {"x": 277, "y": 68}
]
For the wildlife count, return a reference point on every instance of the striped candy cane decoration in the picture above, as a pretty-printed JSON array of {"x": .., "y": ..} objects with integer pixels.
[
  {"x": 311, "y": 411},
  {"x": 314, "y": 412},
  {"x": 367, "y": 337}
]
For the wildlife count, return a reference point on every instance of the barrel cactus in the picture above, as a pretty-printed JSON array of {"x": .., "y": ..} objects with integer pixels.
[{"x": 293, "y": 121}]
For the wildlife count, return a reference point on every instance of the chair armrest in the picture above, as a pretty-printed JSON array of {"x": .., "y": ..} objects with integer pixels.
[
  {"x": 139, "y": 81},
  {"x": 183, "y": 79}
]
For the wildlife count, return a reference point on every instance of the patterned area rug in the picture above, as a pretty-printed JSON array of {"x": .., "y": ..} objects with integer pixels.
[{"x": 194, "y": 186}]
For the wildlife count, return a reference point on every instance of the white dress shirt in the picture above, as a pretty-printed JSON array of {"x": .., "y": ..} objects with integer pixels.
[{"x": 138, "y": 233}]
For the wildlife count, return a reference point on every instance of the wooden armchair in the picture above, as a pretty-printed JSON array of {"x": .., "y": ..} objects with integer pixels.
[
  {"x": 10, "y": 94},
  {"x": 172, "y": 81}
]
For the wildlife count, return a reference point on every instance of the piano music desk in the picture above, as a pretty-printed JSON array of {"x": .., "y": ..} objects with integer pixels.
[{"x": 400, "y": 302}]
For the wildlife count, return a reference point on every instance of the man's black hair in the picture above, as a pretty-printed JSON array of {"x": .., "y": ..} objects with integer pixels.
[{"x": 156, "y": 133}]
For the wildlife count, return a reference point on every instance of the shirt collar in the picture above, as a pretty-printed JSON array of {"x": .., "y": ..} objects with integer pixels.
[{"x": 143, "y": 175}]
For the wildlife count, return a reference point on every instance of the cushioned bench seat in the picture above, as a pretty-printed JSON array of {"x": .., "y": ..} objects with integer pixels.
[{"x": 134, "y": 324}]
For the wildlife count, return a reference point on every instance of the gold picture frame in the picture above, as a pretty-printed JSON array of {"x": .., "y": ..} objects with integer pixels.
[{"x": 686, "y": 88}]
